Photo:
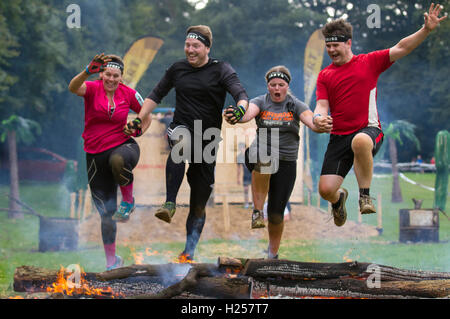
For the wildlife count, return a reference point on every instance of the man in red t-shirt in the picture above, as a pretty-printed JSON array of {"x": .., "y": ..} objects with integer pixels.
[{"x": 347, "y": 89}]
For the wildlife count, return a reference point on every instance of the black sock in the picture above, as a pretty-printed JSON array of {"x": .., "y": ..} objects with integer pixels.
[
  {"x": 364, "y": 191},
  {"x": 336, "y": 205}
]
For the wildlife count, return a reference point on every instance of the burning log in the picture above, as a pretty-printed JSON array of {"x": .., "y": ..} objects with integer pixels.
[{"x": 255, "y": 278}]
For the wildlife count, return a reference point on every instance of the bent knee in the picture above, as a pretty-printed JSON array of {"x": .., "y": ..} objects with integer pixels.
[
  {"x": 362, "y": 143},
  {"x": 327, "y": 191}
]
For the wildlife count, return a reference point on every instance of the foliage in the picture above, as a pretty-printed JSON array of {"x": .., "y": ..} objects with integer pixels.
[
  {"x": 400, "y": 127},
  {"x": 39, "y": 54},
  {"x": 23, "y": 127}
]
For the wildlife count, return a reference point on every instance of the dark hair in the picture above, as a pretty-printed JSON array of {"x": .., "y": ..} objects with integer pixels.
[
  {"x": 117, "y": 59},
  {"x": 338, "y": 27}
]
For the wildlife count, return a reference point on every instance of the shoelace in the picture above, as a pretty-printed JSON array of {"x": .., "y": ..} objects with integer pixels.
[{"x": 366, "y": 197}]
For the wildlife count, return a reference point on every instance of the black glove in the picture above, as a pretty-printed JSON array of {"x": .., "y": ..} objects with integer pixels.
[
  {"x": 136, "y": 124},
  {"x": 237, "y": 111}
]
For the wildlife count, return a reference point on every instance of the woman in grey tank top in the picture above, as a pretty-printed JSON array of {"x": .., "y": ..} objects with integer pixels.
[{"x": 272, "y": 157}]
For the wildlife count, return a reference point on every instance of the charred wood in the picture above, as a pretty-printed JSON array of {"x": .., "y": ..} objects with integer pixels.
[{"x": 247, "y": 278}]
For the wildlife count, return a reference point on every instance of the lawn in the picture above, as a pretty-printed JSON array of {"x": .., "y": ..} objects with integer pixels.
[{"x": 19, "y": 238}]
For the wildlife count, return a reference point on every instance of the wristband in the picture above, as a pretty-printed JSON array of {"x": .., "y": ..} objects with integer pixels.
[{"x": 316, "y": 115}]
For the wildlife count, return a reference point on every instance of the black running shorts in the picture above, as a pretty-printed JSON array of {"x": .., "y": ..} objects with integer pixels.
[{"x": 338, "y": 159}]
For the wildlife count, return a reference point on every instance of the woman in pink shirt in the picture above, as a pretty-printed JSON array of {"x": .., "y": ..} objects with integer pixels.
[{"x": 111, "y": 153}]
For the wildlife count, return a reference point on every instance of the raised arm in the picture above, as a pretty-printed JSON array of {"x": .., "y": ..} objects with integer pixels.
[
  {"x": 77, "y": 85},
  {"x": 408, "y": 44}
]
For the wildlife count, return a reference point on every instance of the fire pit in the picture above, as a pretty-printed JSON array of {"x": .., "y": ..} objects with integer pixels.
[{"x": 233, "y": 278}]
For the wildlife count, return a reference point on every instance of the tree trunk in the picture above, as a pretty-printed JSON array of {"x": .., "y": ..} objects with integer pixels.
[
  {"x": 396, "y": 190},
  {"x": 14, "y": 208}
]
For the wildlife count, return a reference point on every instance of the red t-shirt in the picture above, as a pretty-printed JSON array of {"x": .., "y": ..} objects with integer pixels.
[
  {"x": 351, "y": 90},
  {"x": 103, "y": 124}
]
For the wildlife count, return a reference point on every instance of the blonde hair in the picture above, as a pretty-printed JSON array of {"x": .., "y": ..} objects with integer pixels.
[
  {"x": 283, "y": 69},
  {"x": 278, "y": 68},
  {"x": 203, "y": 29}
]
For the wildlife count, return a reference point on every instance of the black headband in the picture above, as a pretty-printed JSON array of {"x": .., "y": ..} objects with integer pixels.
[
  {"x": 336, "y": 38},
  {"x": 200, "y": 37},
  {"x": 279, "y": 75},
  {"x": 114, "y": 65}
]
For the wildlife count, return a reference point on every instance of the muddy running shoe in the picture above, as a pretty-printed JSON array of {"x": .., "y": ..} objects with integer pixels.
[
  {"x": 166, "y": 212},
  {"x": 185, "y": 258},
  {"x": 117, "y": 264},
  {"x": 339, "y": 211},
  {"x": 123, "y": 213},
  {"x": 365, "y": 205},
  {"x": 257, "y": 219}
]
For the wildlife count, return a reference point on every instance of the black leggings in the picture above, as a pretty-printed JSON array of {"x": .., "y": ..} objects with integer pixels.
[
  {"x": 280, "y": 189},
  {"x": 106, "y": 171},
  {"x": 200, "y": 177}
]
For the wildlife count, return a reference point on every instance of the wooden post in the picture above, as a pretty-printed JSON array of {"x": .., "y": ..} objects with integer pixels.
[
  {"x": 379, "y": 214},
  {"x": 87, "y": 203},
  {"x": 309, "y": 197},
  {"x": 73, "y": 197},
  {"x": 318, "y": 199},
  {"x": 226, "y": 214},
  {"x": 80, "y": 203}
]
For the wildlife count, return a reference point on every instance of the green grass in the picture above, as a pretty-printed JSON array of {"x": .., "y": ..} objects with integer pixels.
[{"x": 19, "y": 238}]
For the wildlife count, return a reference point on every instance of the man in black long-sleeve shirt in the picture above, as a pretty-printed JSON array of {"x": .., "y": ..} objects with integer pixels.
[{"x": 201, "y": 84}]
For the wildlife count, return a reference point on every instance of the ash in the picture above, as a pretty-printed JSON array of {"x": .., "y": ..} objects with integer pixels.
[{"x": 131, "y": 286}]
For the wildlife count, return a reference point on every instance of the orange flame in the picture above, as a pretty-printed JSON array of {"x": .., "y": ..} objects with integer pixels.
[
  {"x": 64, "y": 286},
  {"x": 183, "y": 259},
  {"x": 138, "y": 258}
]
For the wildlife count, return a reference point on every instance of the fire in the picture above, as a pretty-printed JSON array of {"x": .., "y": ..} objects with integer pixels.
[
  {"x": 139, "y": 256},
  {"x": 183, "y": 259},
  {"x": 65, "y": 286},
  {"x": 149, "y": 252}
]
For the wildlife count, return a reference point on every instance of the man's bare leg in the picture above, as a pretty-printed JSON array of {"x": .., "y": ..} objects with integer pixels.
[
  {"x": 362, "y": 146},
  {"x": 330, "y": 190}
]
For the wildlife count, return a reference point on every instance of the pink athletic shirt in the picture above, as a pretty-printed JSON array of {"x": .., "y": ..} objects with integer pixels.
[
  {"x": 351, "y": 90},
  {"x": 103, "y": 123}
]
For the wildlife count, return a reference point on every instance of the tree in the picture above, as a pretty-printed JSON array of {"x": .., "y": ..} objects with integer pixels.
[
  {"x": 7, "y": 51},
  {"x": 394, "y": 132},
  {"x": 16, "y": 129}
]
